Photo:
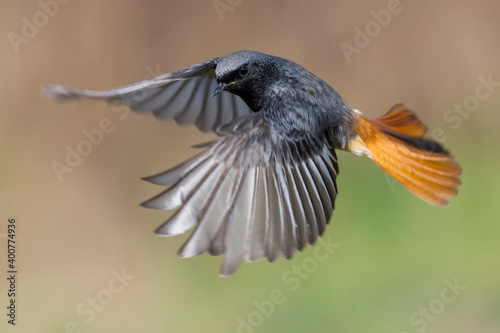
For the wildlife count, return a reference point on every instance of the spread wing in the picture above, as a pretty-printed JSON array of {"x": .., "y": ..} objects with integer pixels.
[
  {"x": 184, "y": 96},
  {"x": 250, "y": 195}
]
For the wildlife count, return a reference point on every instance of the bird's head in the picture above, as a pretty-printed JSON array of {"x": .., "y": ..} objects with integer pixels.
[{"x": 248, "y": 74}]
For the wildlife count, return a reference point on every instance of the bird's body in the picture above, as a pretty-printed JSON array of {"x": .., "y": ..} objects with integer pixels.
[
  {"x": 293, "y": 101},
  {"x": 267, "y": 186}
]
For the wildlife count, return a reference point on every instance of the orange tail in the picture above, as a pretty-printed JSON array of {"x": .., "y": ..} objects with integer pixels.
[{"x": 395, "y": 142}]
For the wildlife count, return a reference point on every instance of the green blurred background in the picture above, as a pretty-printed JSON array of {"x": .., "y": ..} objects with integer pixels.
[{"x": 397, "y": 255}]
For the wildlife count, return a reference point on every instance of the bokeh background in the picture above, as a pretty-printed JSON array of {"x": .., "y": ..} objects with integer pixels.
[{"x": 396, "y": 255}]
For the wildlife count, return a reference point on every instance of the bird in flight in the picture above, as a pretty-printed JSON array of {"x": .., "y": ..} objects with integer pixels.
[{"x": 266, "y": 186}]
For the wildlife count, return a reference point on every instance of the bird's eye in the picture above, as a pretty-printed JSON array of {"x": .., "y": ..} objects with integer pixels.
[{"x": 244, "y": 70}]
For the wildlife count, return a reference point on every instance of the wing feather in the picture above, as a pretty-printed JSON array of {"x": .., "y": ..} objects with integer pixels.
[
  {"x": 326, "y": 201},
  {"x": 189, "y": 214},
  {"x": 237, "y": 223},
  {"x": 297, "y": 206},
  {"x": 273, "y": 238},
  {"x": 288, "y": 229},
  {"x": 171, "y": 176},
  {"x": 184, "y": 96},
  {"x": 317, "y": 203},
  {"x": 250, "y": 195},
  {"x": 183, "y": 189},
  {"x": 210, "y": 219},
  {"x": 255, "y": 238}
]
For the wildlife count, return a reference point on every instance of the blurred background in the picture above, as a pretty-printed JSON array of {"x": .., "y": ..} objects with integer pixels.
[{"x": 87, "y": 258}]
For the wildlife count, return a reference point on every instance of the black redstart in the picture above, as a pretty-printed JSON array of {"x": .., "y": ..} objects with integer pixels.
[{"x": 266, "y": 187}]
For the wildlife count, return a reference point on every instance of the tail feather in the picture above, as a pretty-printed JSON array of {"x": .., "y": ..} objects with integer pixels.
[
  {"x": 395, "y": 142},
  {"x": 401, "y": 120}
]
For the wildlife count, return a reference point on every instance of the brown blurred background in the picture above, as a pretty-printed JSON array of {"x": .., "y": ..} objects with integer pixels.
[{"x": 397, "y": 255}]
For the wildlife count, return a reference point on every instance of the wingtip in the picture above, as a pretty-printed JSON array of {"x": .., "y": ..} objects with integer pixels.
[
  {"x": 164, "y": 178},
  {"x": 145, "y": 205},
  {"x": 225, "y": 275},
  {"x": 149, "y": 179},
  {"x": 58, "y": 92},
  {"x": 226, "y": 272},
  {"x": 160, "y": 231},
  {"x": 152, "y": 204}
]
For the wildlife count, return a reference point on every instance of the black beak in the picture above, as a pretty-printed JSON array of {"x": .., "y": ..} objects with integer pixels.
[{"x": 220, "y": 87}]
